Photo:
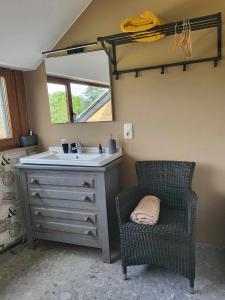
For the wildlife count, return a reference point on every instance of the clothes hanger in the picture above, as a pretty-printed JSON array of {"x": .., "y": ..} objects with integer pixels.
[{"x": 185, "y": 42}]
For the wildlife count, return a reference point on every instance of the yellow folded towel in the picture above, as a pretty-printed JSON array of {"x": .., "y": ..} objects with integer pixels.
[
  {"x": 145, "y": 21},
  {"x": 147, "y": 211}
]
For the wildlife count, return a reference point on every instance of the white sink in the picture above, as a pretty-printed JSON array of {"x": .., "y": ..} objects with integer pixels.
[
  {"x": 89, "y": 158},
  {"x": 71, "y": 156}
]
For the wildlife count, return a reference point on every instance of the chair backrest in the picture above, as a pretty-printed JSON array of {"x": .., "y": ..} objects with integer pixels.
[{"x": 166, "y": 179}]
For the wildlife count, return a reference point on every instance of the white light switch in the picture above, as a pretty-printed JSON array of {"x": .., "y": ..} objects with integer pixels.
[{"x": 128, "y": 130}]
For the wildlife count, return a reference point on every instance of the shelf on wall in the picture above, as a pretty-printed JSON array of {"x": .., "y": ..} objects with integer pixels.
[{"x": 168, "y": 29}]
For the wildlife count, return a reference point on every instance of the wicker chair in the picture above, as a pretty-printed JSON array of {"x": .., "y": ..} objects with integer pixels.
[{"x": 171, "y": 242}]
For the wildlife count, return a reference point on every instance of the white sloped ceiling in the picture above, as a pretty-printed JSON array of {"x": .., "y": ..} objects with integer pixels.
[{"x": 28, "y": 27}]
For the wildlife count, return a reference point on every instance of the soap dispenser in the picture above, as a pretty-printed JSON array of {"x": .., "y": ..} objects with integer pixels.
[{"x": 111, "y": 145}]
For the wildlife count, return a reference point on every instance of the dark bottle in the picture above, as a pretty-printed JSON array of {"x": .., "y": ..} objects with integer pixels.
[
  {"x": 65, "y": 148},
  {"x": 100, "y": 149}
]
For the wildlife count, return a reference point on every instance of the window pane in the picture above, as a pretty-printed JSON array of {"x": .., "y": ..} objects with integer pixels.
[
  {"x": 5, "y": 123},
  {"x": 57, "y": 96},
  {"x": 86, "y": 100}
]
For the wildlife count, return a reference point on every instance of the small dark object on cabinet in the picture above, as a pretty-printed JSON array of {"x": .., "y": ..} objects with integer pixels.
[
  {"x": 65, "y": 148},
  {"x": 28, "y": 140},
  {"x": 100, "y": 149},
  {"x": 73, "y": 148}
]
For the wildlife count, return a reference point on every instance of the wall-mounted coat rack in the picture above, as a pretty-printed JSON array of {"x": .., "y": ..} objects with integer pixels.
[{"x": 200, "y": 23}]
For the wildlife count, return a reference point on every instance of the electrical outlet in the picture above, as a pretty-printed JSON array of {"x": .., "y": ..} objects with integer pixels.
[{"x": 128, "y": 131}]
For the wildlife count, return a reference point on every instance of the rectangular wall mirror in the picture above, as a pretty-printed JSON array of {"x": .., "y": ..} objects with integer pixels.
[{"x": 79, "y": 88}]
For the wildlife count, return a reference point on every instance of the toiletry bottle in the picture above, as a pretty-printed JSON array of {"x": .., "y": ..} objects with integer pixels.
[
  {"x": 111, "y": 145},
  {"x": 100, "y": 149},
  {"x": 65, "y": 145}
]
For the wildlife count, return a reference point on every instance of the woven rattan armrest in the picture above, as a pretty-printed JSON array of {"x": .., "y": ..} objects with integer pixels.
[
  {"x": 127, "y": 200},
  {"x": 191, "y": 200}
]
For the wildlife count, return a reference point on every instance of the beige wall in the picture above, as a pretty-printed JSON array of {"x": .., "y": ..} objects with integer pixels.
[{"x": 177, "y": 116}]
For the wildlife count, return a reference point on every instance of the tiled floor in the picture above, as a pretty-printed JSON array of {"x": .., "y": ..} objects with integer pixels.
[{"x": 64, "y": 272}]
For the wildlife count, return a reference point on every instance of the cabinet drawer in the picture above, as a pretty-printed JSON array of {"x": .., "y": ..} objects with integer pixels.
[
  {"x": 68, "y": 237},
  {"x": 69, "y": 194},
  {"x": 62, "y": 203},
  {"x": 61, "y": 180},
  {"x": 82, "y": 216},
  {"x": 57, "y": 225}
]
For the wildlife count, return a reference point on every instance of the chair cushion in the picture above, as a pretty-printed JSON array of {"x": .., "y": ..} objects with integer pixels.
[
  {"x": 171, "y": 222},
  {"x": 147, "y": 211}
]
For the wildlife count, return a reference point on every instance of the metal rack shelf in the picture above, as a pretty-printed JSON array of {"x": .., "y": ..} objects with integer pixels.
[{"x": 200, "y": 23}]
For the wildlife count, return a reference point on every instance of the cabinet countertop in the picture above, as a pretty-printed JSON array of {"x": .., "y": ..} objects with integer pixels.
[{"x": 69, "y": 168}]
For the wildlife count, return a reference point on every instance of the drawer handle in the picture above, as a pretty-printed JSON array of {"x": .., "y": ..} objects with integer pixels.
[
  {"x": 85, "y": 184},
  {"x": 88, "y": 232},
  {"x": 35, "y": 194},
  {"x": 86, "y": 198},
  {"x": 33, "y": 180},
  {"x": 37, "y": 213},
  {"x": 86, "y": 219},
  {"x": 38, "y": 226}
]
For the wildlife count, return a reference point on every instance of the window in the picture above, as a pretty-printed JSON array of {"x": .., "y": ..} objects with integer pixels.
[
  {"x": 78, "y": 101},
  {"x": 84, "y": 98},
  {"x": 13, "y": 109},
  {"x": 57, "y": 95},
  {"x": 5, "y": 122}
]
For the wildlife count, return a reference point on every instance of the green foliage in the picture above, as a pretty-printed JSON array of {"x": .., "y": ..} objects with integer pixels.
[
  {"x": 92, "y": 93},
  {"x": 78, "y": 105},
  {"x": 58, "y": 107}
]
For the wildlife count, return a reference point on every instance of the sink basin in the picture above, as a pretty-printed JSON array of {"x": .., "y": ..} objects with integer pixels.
[{"x": 89, "y": 158}]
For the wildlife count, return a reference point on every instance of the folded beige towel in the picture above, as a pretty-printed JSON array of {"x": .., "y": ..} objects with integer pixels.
[{"x": 147, "y": 211}]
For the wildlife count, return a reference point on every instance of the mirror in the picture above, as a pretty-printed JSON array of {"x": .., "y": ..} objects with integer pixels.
[{"x": 79, "y": 88}]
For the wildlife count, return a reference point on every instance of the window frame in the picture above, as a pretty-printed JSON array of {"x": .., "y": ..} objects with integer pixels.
[
  {"x": 67, "y": 82},
  {"x": 13, "y": 111}
]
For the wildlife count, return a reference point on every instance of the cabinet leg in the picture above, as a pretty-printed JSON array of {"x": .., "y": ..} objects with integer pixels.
[
  {"x": 106, "y": 255},
  {"x": 30, "y": 244},
  {"x": 191, "y": 284},
  {"x": 124, "y": 272}
]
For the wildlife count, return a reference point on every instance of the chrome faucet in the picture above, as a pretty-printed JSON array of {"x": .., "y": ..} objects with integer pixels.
[{"x": 79, "y": 147}]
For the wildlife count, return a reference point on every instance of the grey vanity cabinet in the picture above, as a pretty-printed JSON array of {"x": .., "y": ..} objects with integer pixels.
[{"x": 71, "y": 204}]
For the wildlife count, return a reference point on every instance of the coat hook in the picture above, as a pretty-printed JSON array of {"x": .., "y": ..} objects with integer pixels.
[
  {"x": 184, "y": 67},
  {"x": 215, "y": 63},
  {"x": 163, "y": 70},
  {"x": 136, "y": 74}
]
